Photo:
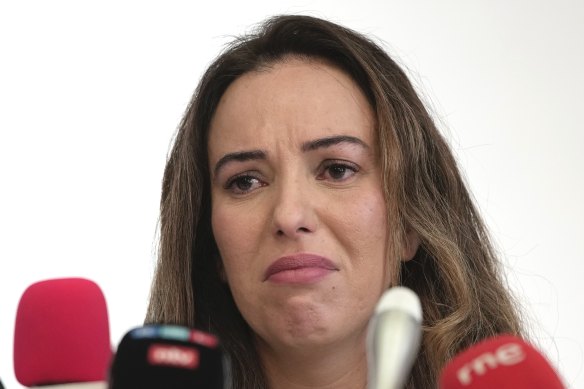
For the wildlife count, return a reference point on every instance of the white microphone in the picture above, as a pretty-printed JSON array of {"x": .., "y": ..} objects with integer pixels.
[{"x": 393, "y": 338}]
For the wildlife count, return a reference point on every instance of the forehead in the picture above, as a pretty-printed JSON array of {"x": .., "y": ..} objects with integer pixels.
[{"x": 291, "y": 101}]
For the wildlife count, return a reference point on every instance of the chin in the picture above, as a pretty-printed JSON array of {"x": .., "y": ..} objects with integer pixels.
[{"x": 314, "y": 330}]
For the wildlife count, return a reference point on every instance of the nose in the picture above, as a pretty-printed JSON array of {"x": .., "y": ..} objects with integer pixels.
[{"x": 294, "y": 211}]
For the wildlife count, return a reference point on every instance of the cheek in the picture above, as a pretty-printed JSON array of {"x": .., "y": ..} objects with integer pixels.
[
  {"x": 227, "y": 232},
  {"x": 367, "y": 235},
  {"x": 366, "y": 221},
  {"x": 236, "y": 233}
]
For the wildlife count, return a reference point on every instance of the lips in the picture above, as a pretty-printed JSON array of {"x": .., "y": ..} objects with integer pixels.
[{"x": 299, "y": 268}]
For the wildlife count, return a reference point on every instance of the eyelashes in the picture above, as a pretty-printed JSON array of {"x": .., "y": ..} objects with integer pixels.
[
  {"x": 337, "y": 170},
  {"x": 244, "y": 183},
  {"x": 334, "y": 172}
]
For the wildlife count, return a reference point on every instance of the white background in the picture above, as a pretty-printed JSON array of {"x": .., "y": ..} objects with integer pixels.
[{"x": 91, "y": 94}]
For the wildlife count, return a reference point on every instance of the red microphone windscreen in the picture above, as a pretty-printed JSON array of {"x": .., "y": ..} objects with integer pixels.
[
  {"x": 502, "y": 362},
  {"x": 61, "y": 333}
]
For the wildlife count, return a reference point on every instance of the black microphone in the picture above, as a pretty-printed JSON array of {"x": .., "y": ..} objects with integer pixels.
[{"x": 165, "y": 356}]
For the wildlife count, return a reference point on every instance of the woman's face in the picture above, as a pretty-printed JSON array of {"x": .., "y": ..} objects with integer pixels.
[{"x": 298, "y": 210}]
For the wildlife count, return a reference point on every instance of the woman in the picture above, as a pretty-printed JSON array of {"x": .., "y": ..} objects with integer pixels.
[{"x": 306, "y": 178}]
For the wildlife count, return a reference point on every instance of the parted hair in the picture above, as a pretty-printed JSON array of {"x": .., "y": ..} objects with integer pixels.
[{"x": 455, "y": 272}]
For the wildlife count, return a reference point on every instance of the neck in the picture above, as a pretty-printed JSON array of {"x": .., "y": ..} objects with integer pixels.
[{"x": 340, "y": 366}]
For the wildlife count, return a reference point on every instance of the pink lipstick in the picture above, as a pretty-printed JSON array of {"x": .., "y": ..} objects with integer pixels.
[{"x": 299, "y": 269}]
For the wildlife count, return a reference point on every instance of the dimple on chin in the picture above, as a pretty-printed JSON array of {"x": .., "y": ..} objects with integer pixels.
[
  {"x": 298, "y": 329},
  {"x": 302, "y": 321}
]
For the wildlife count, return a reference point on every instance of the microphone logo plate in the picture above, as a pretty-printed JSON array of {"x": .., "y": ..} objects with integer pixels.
[{"x": 173, "y": 356}]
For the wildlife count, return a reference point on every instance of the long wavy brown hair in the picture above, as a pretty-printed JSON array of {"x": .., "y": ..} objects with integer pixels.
[{"x": 455, "y": 272}]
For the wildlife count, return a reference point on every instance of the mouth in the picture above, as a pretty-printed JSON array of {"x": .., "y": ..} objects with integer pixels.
[{"x": 299, "y": 269}]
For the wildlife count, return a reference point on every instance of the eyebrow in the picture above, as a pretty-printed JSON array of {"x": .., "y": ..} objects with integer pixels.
[
  {"x": 239, "y": 156},
  {"x": 251, "y": 155},
  {"x": 332, "y": 141}
]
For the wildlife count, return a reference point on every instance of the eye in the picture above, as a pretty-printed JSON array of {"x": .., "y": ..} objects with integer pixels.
[
  {"x": 243, "y": 184},
  {"x": 337, "y": 171}
]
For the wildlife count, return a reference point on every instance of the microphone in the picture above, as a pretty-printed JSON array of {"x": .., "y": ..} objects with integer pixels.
[
  {"x": 165, "y": 356},
  {"x": 501, "y": 362},
  {"x": 61, "y": 335},
  {"x": 78, "y": 385},
  {"x": 393, "y": 338}
]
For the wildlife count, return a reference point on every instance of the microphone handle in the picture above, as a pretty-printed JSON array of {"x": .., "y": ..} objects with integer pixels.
[{"x": 393, "y": 347}]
